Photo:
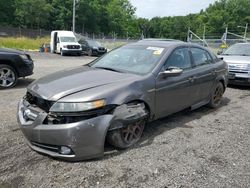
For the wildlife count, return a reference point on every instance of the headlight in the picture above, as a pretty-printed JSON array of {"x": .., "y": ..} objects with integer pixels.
[
  {"x": 77, "y": 106},
  {"x": 95, "y": 48},
  {"x": 24, "y": 57}
]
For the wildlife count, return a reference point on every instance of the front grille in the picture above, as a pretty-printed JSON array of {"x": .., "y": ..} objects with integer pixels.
[
  {"x": 47, "y": 147},
  {"x": 238, "y": 67},
  {"x": 101, "y": 48},
  {"x": 73, "y": 46},
  {"x": 241, "y": 72},
  {"x": 39, "y": 102}
]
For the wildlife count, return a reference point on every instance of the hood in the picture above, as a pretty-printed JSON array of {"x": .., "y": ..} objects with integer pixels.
[
  {"x": 13, "y": 51},
  {"x": 236, "y": 59},
  {"x": 70, "y": 43},
  {"x": 64, "y": 83}
]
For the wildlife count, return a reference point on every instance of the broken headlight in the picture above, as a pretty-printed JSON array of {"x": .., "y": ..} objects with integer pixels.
[{"x": 77, "y": 106}]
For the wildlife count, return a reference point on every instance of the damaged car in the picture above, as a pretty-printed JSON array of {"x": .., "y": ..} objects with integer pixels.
[{"x": 72, "y": 113}]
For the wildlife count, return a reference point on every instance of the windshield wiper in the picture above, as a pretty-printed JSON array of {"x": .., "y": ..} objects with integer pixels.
[{"x": 108, "y": 68}]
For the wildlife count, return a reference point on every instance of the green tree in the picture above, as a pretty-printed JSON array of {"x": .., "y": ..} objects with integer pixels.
[
  {"x": 7, "y": 12},
  {"x": 32, "y": 13}
]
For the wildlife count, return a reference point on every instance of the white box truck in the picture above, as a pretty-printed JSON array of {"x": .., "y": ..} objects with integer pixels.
[{"x": 64, "y": 42}]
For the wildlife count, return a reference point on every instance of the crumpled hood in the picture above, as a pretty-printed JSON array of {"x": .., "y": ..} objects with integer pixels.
[
  {"x": 63, "y": 83},
  {"x": 236, "y": 59}
]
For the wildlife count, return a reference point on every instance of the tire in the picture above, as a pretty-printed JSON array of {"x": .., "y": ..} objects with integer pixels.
[
  {"x": 89, "y": 52},
  {"x": 216, "y": 96},
  {"x": 8, "y": 77},
  {"x": 61, "y": 52},
  {"x": 125, "y": 137}
]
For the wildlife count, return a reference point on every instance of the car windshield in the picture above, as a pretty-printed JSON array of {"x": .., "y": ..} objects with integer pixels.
[
  {"x": 238, "y": 49},
  {"x": 94, "y": 43},
  {"x": 68, "y": 39},
  {"x": 132, "y": 59}
]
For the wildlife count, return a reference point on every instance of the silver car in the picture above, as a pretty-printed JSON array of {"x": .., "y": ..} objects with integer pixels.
[
  {"x": 238, "y": 59},
  {"x": 70, "y": 114}
]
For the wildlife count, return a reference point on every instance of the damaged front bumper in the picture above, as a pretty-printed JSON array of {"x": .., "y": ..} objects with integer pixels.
[
  {"x": 80, "y": 140},
  {"x": 73, "y": 141}
]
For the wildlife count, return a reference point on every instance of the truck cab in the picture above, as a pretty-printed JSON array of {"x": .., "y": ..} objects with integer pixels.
[{"x": 64, "y": 42}]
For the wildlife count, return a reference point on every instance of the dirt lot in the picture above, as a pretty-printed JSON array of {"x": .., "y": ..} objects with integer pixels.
[{"x": 202, "y": 148}]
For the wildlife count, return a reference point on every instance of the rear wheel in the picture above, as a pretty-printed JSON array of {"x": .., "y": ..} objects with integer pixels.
[
  {"x": 128, "y": 135},
  {"x": 216, "y": 95},
  {"x": 8, "y": 77}
]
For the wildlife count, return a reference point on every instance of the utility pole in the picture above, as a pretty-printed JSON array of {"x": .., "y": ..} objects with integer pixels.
[
  {"x": 204, "y": 35},
  {"x": 74, "y": 15},
  {"x": 245, "y": 34},
  {"x": 188, "y": 35}
]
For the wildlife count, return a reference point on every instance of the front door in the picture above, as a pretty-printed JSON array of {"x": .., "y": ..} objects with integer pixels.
[{"x": 175, "y": 93}]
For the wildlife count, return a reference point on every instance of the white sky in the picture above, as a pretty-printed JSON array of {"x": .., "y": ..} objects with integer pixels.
[{"x": 152, "y": 8}]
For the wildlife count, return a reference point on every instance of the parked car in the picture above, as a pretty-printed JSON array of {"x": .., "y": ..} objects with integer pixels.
[
  {"x": 237, "y": 57},
  {"x": 71, "y": 113},
  {"x": 64, "y": 42},
  {"x": 14, "y": 64},
  {"x": 92, "y": 47}
]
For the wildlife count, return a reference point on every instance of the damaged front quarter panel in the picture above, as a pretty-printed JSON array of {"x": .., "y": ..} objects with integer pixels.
[{"x": 127, "y": 114}]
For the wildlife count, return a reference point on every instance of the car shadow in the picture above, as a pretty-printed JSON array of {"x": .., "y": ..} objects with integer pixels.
[
  {"x": 158, "y": 127},
  {"x": 241, "y": 87},
  {"x": 23, "y": 83}
]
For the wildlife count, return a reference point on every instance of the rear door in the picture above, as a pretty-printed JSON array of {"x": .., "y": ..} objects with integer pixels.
[
  {"x": 175, "y": 93},
  {"x": 205, "y": 73}
]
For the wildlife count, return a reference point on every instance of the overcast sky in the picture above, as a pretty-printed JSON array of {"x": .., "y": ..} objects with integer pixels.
[{"x": 152, "y": 8}]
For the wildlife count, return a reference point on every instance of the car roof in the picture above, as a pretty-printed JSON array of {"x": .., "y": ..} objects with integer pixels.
[{"x": 164, "y": 43}]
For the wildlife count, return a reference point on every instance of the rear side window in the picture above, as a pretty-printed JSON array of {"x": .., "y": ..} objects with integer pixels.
[
  {"x": 201, "y": 57},
  {"x": 179, "y": 58}
]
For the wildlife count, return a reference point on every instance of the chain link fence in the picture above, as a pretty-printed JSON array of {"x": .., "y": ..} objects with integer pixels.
[{"x": 21, "y": 32}]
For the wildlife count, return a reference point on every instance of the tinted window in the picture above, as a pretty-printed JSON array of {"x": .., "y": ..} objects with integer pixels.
[
  {"x": 179, "y": 58},
  {"x": 201, "y": 57}
]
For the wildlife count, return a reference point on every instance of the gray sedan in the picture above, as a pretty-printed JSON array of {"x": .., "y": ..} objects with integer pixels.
[
  {"x": 238, "y": 59},
  {"x": 70, "y": 114}
]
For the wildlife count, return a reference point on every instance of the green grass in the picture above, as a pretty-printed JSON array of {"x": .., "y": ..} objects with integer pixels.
[{"x": 23, "y": 43}]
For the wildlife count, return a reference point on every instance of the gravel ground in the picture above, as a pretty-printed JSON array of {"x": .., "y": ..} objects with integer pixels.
[{"x": 202, "y": 148}]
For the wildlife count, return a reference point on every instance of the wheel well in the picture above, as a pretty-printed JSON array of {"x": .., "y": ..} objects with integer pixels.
[
  {"x": 9, "y": 63},
  {"x": 141, "y": 101},
  {"x": 223, "y": 83}
]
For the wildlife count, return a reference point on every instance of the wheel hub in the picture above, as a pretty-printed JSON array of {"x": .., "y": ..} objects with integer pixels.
[
  {"x": 133, "y": 132},
  {"x": 7, "y": 77}
]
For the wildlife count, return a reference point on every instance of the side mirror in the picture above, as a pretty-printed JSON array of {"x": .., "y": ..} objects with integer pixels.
[{"x": 172, "y": 71}]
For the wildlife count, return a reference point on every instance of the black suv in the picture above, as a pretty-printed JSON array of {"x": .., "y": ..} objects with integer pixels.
[
  {"x": 14, "y": 64},
  {"x": 92, "y": 47}
]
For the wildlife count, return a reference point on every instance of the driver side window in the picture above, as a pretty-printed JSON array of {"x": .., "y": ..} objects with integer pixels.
[{"x": 179, "y": 58}]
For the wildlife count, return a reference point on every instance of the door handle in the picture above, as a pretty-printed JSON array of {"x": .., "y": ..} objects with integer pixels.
[{"x": 191, "y": 79}]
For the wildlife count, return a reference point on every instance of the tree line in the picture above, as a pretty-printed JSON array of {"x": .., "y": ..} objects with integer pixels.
[{"x": 117, "y": 17}]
